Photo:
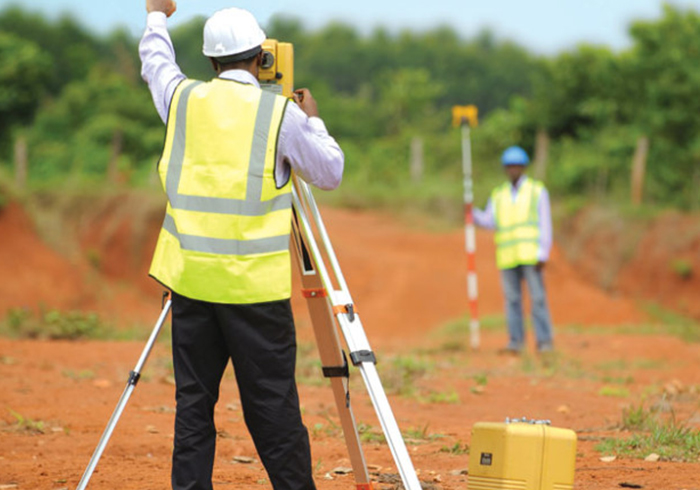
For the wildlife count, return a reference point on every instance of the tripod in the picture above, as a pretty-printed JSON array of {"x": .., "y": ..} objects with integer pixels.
[{"x": 331, "y": 309}]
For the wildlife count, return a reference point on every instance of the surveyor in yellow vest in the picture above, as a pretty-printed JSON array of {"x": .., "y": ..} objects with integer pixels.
[
  {"x": 519, "y": 212},
  {"x": 223, "y": 250}
]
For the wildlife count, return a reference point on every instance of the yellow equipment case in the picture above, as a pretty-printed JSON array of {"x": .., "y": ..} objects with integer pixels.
[{"x": 521, "y": 454}]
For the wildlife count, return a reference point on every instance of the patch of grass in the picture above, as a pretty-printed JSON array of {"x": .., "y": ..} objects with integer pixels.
[
  {"x": 636, "y": 418},
  {"x": 451, "y": 397},
  {"x": 571, "y": 368},
  {"x": 94, "y": 258},
  {"x": 619, "y": 380},
  {"x": 649, "y": 364},
  {"x": 415, "y": 435},
  {"x": 457, "y": 449},
  {"x": 672, "y": 323},
  {"x": 663, "y": 322},
  {"x": 452, "y": 346},
  {"x": 682, "y": 268},
  {"x": 459, "y": 327},
  {"x": 614, "y": 391},
  {"x": 456, "y": 333},
  {"x": 84, "y": 374},
  {"x": 370, "y": 434},
  {"x": 28, "y": 425},
  {"x": 612, "y": 365},
  {"x": 671, "y": 440},
  {"x": 54, "y": 325},
  {"x": 403, "y": 372},
  {"x": 330, "y": 429}
]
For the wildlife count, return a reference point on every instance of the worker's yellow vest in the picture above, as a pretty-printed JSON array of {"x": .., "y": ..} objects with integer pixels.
[
  {"x": 225, "y": 238},
  {"x": 517, "y": 224}
]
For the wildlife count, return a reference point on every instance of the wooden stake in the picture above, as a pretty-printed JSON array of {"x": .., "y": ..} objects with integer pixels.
[{"x": 639, "y": 164}]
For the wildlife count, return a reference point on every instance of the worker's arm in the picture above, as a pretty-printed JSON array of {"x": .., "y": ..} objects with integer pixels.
[
  {"x": 485, "y": 218},
  {"x": 544, "y": 214},
  {"x": 158, "y": 66},
  {"x": 306, "y": 146}
]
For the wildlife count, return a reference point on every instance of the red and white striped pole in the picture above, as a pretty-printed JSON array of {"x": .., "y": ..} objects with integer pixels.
[{"x": 466, "y": 117}]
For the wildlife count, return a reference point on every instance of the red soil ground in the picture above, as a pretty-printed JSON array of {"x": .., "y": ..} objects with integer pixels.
[{"x": 56, "y": 396}]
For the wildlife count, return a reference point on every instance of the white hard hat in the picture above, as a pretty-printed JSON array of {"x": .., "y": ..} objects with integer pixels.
[{"x": 230, "y": 32}]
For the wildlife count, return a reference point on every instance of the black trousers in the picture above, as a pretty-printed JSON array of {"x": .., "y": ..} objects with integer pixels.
[{"x": 260, "y": 339}]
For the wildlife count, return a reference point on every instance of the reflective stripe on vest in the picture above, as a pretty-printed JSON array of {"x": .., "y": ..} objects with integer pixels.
[
  {"x": 517, "y": 224},
  {"x": 225, "y": 237}
]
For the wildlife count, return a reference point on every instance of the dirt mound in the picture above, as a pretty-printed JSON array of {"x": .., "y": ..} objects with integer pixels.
[
  {"x": 655, "y": 261},
  {"x": 397, "y": 275},
  {"x": 33, "y": 273}
]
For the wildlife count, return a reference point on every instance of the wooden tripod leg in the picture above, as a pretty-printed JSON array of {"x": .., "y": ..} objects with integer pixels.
[{"x": 335, "y": 366}]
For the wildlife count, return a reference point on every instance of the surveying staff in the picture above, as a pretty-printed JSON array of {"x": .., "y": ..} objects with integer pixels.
[
  {"x": 519, "y": 212},
  {"x": 224, "y": 247}
]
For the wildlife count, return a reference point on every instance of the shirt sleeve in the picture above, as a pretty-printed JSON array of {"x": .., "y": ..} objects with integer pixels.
[
  {"x": 306, "y": 148},
  {"x": 545, "y": 223},
  {"x": 485, "y": 218},
  {"x": 158, "y": 66}
]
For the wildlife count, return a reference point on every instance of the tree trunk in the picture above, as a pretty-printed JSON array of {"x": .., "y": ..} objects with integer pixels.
[
  {"x": 541, "y": 154},
  {"x": 602, "y": 181},
  {"x": 21, "y": 161},
  {"x": 417, "y": 159},
  {"x": 695, "y": 202},
  {"x": 113, "y": 166},
  {"x": 639, "y": 164}
]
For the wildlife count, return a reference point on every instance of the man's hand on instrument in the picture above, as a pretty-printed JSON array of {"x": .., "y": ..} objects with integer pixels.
[
  {"x": 168, "y": 7},
  {"x": 306, "y": 102}
]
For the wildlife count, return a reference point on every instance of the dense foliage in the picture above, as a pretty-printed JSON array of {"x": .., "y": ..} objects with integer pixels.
[{"x": 78, "y": 101}]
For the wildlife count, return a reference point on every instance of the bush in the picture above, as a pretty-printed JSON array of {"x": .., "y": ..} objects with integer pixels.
[{"x": 54, "y": 325}]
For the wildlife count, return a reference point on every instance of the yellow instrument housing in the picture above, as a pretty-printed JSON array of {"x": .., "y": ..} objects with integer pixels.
[
  {"x": 521, "y": 456},
  {"x": 278, "y": 77}
]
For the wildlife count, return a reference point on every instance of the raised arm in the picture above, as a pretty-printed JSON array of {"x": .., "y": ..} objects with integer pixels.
[{"x": 158, "y": 66}]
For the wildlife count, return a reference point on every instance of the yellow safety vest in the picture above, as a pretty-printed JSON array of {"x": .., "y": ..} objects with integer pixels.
[
  {"x": 225, "y": 238},
  {"x": 517, "y": 224}
]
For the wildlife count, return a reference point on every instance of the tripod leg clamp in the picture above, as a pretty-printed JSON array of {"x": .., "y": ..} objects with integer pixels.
[
  {"x": 360, "y": 356},
  {"x": 337, "y": 371},
  {"x": 348, "y": 309},
  {"x": 133, "y": 378},
  {"x": 166, "y": 294}
]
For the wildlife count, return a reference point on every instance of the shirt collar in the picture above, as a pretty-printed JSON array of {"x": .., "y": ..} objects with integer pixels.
[
  {"x": 242, "y": 76},
  {"x": 519, "y": 182}
]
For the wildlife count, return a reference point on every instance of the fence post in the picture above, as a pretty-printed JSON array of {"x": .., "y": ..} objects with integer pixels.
[
  {"x": 639, "y": 163},
  {"x": 417, "y": 159},
  {"x": 21, "y": 161},
  {"x": 541, "y": 154},
  {"x": 113, "y": 166}
]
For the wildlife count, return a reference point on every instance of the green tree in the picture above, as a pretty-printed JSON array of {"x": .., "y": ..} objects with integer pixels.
[
  {"x": 72, "y": 49},
  {"x": 75, "y": 136},
  {"x": 21, "y": 82},
  {"x": 187, "y": 39},
  {"x": 576, "y": 92},
  {"x": 666, "y": 63}
]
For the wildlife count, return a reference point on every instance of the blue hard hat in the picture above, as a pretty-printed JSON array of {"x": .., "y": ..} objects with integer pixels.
[{"x": 515, "y": 155}]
